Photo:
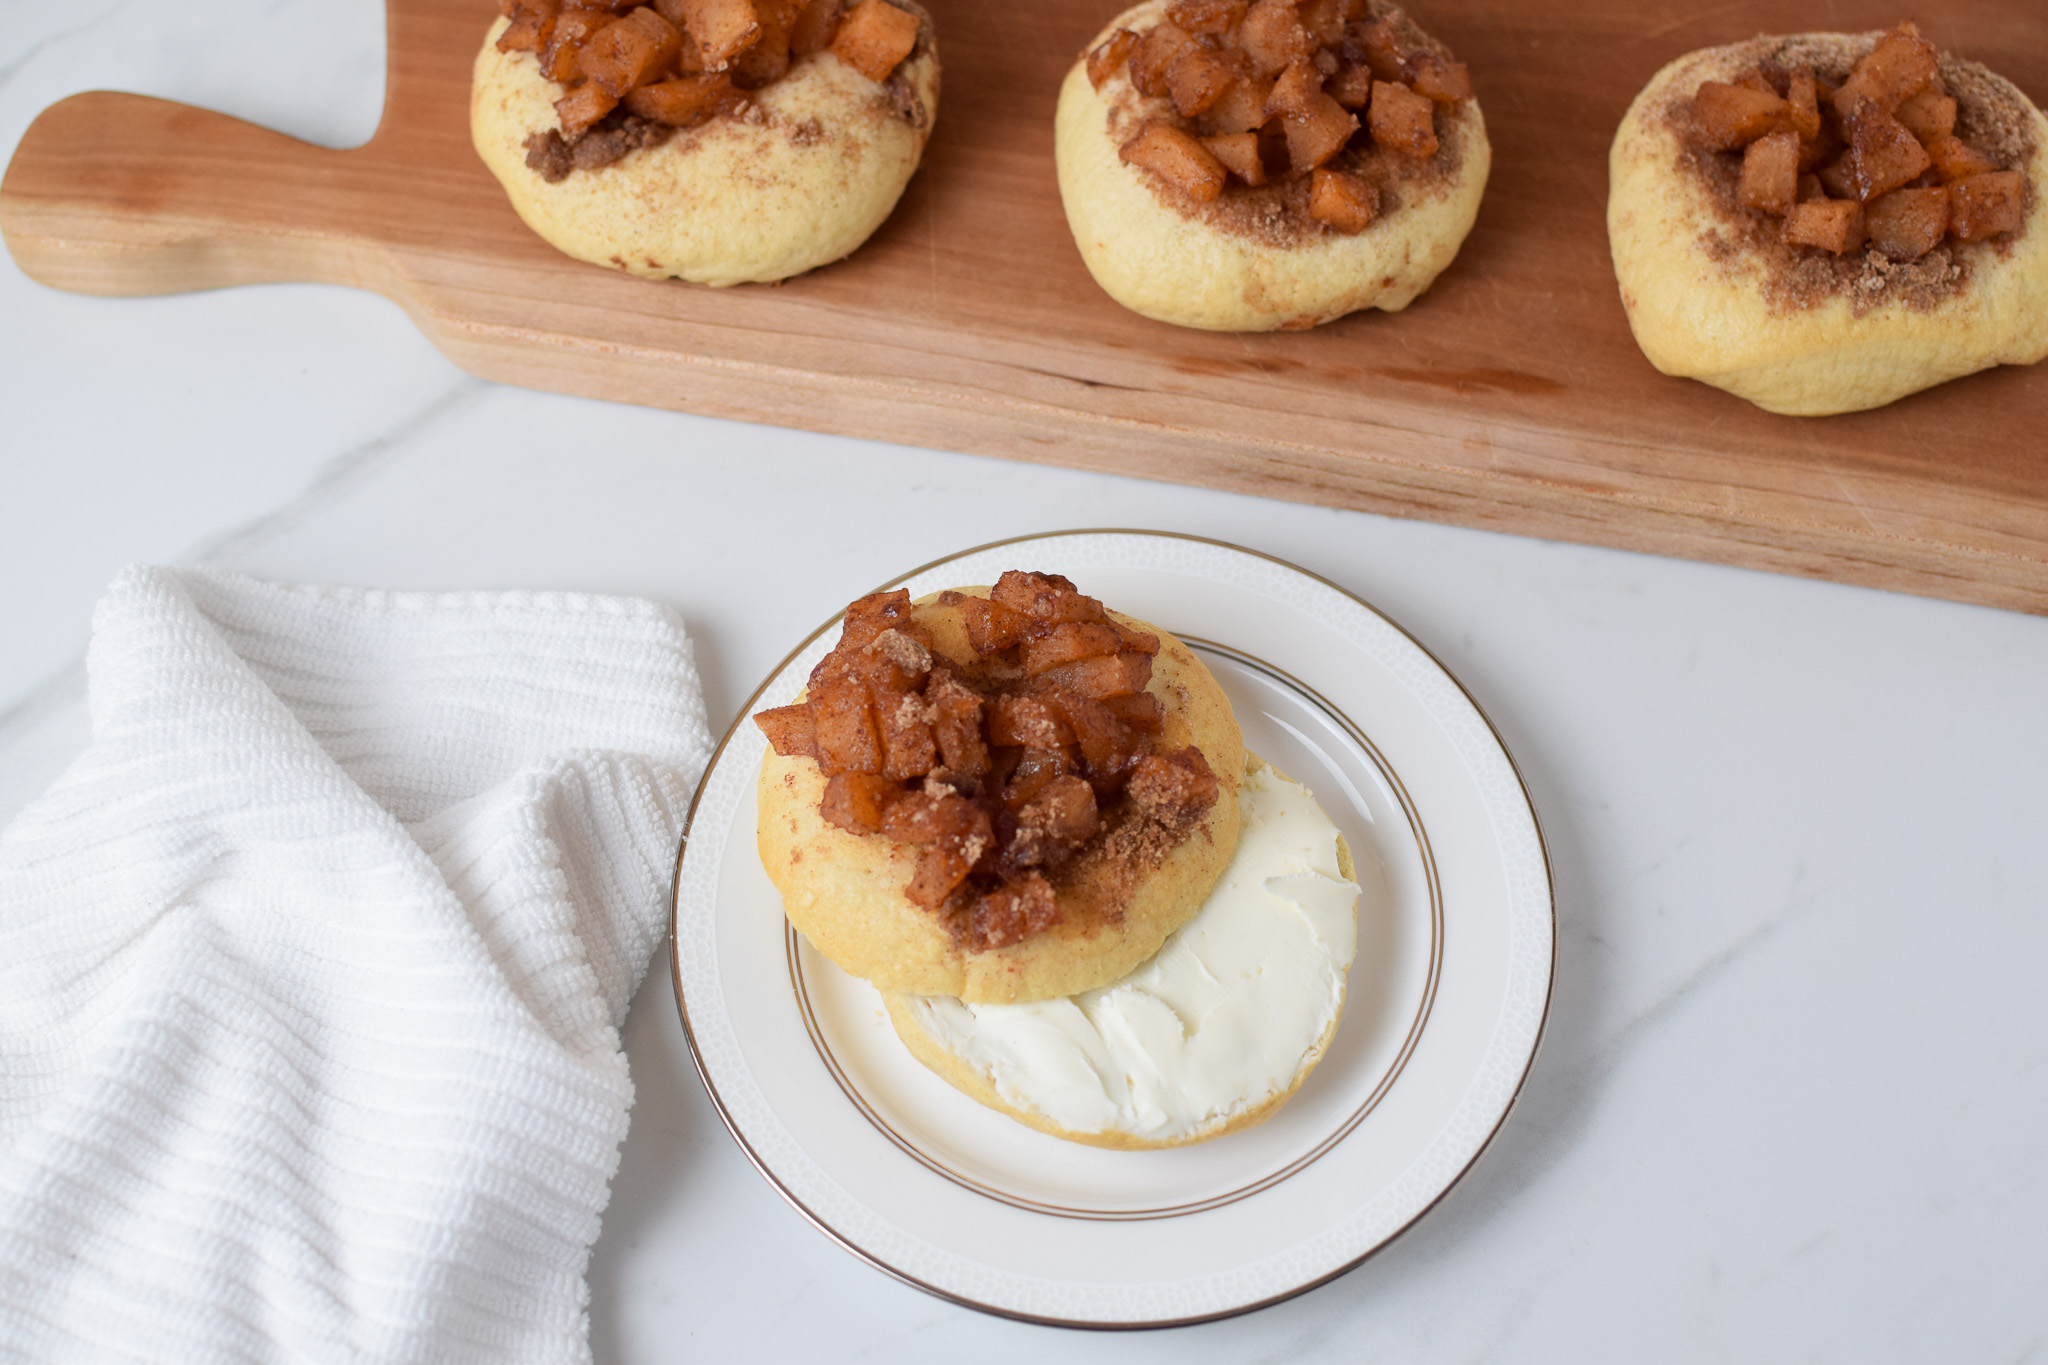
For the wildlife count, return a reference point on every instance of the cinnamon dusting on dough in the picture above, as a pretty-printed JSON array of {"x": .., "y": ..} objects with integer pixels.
[{"x": 1130, "y": 850}]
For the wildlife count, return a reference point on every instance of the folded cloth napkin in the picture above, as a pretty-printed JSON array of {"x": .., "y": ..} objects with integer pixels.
[{"x": 312, "y": 969}]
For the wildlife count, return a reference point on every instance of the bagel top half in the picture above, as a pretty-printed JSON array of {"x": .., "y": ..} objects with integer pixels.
[
  {"x": 1119, "y": 897},
  {"x": 1713, "y": 293}
]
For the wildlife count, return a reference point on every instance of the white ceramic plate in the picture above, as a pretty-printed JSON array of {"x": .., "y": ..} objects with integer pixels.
[{"x": 1447, "y": 997}]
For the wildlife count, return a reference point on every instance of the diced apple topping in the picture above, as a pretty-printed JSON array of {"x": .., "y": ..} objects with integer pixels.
[
  {"x": 1351, "y": 86},
  {"x": 631, "y": 51},
  {"x": 768, "y": 59},
  {"x": 684, "y": 101},
  {"x": 1762, "y": 82},
  {"x": 1239, "y": 154},
  {"x": 1278, "y": 92},
  {"x": 1927, "y": 115},
  {"x": 1731, "y": 116},
  {"x": 1000, "y": 768},
  {"x": 1770, "y": 173},
  {"x": 1295, "y": 89},
  {"x": 857, "y": 802},
  {"x": 1955, "y": 159},
  {"x": 1012, "y": 913},
  {"x": 1212, "y": 17},
  {"x": 1820, "y": 149},
  {"x": 677, "y": 63},
  {"x": 1902, "y": 64},
  {"x": 719, "y": 30},
  {"x": 1068, "y": 642},
  {"x": 1439, "y": 80},
  {"x": 1155, "y": 55},
  {"x": 1858, "y": 164},
  {"x": 1325, "y": 19},
  {"x": 1831, "y": 224},
  {"x": 1883, "y": 155},
  {"x": 1802, "y": 104},
  {"x": 1838, "y": 177},
  {"x": 533, "y": 23},
  {"x": 1986, "y": 205},
  {"x": 1378, "y": 47},
  {"x": 581, "y": 108},
  {"x": 561, "y": 59},
  {"x": 1344, "y": 201},
  {"x": 875, "y": 37},
  {"x": 1199, "y": 78},
  {"x": 1178, "y": 159},
  {"x": 1402, "y": 119},
  {"x": 1907, "y": 224},
  {"x": 1272, "y": 36},
  {"x": 1242, "y": 108},
  {"x": 816, "y": 25},
  {"x": 1109, "y": 54},
  {"x": 1313, "y": 139}
]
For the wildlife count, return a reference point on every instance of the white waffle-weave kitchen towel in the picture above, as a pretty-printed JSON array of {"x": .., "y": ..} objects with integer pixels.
[{"x": 312, "y": 969}]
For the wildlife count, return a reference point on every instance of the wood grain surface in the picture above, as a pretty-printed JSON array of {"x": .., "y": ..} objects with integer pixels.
[{"x": 1511, "y": 396}]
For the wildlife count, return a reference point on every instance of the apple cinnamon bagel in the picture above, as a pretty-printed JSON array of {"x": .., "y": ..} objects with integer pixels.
[
  {"x": 1827, "y": 222},
  {"x": 1002, "y": 794},
  {"x": 719, "y": 141},
  {"x": 1275, "y": 165},
  {"x": 1210, "y": 1036}
]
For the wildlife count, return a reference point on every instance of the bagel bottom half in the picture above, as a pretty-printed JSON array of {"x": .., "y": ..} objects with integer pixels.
[
  {"x": 1211, "y": 1036},
  {"x": 1119, "y": 899}
]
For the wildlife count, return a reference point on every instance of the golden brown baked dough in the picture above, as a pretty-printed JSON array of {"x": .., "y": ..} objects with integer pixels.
[
  {"x": 801, "y": 180},
  {"x": 1710, "y": 297},
  {"x": 845, "y": 892}
]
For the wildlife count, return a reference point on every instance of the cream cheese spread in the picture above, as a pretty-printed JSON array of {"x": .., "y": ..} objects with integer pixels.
[{"x": 1223, "y": 1019}]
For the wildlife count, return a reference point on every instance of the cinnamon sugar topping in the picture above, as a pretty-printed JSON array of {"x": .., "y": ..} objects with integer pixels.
[
  {"x": 1285, "y": 122},
  {"x": 632, "y": 79},
  {"x": 1865, "y": 168}
]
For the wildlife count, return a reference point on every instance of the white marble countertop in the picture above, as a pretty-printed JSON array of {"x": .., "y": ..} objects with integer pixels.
[{"x": 1793, "y": 1099}]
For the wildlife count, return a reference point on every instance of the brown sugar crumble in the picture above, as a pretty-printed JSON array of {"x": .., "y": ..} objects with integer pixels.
[
  {"x": 609, "y": 140},
  {"x": 635, "y": 74},
  {"x": 1285, "y": 122},
  {"x": 1876, "y": 171},
  {"x": 1006, "y": 770}
]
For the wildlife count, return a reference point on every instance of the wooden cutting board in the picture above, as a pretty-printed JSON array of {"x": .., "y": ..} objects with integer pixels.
[{"x": 1511, "y": 396}]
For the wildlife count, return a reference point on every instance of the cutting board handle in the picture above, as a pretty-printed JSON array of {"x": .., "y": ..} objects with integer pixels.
[{"x": 122, "y": 194}]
